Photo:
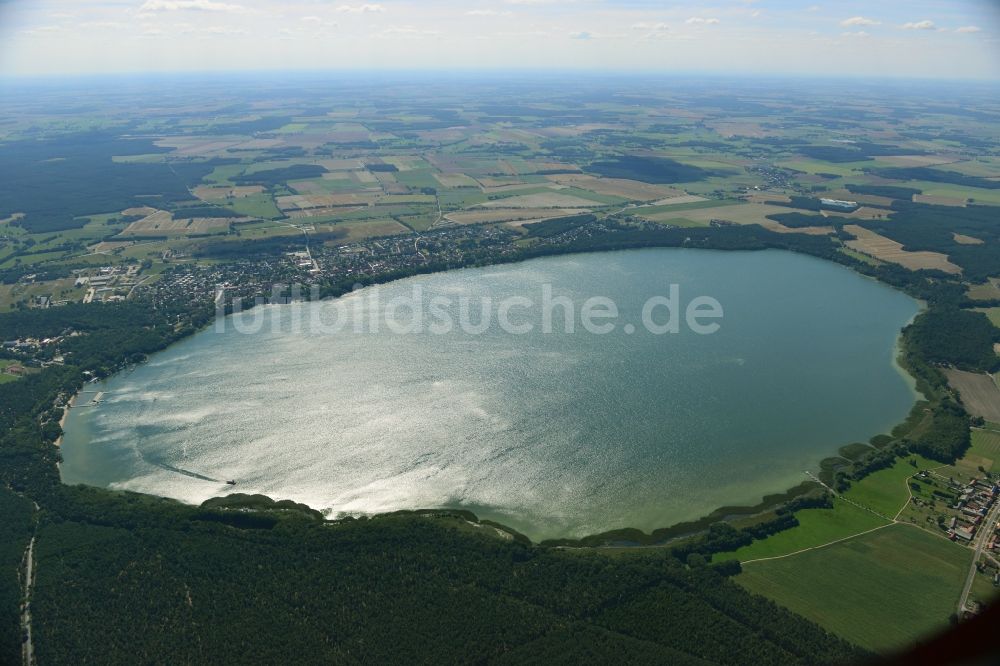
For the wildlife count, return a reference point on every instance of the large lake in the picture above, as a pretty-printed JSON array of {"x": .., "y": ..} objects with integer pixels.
[{"x": 555, "y": 434}]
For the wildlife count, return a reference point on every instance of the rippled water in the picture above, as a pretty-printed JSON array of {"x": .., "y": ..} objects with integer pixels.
[{"x": 555, "y": 435}]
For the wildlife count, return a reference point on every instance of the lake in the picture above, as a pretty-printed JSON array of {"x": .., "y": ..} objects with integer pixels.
[{"x": 553, "y": 433}]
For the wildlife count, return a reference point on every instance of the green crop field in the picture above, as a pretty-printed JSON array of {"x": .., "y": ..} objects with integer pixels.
[
  {"x": 882, "y": 590},
  {"x": 885, "y": 491},
  {"x": 256, "y": 205},
  {"x": 986, "y": 443},
  {"x": 816, "y": 527}
]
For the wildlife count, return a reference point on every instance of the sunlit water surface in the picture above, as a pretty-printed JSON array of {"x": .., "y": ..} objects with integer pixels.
[{"x": 555, "y": 435}]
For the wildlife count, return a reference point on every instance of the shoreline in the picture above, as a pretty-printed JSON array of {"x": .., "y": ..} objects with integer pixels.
[
  {"x": 638, "y": 538},
  {"x": 62, "y": 420}
]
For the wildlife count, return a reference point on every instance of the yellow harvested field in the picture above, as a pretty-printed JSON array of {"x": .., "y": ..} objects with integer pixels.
[
  {"x": 192, "y": 146},
  {"x": 518, "y": 225},
  {"x": 764, "y": 197},
  {"x": 864, "y": 213},
  {"x": 303, "y": 201},
  {"x": 751, "y": 213},
  {"x": 617, "y": 187},
  {"x": 863, "y": 199},
  {"x": 360, "y": 176},
  {"x": 141, "y": 210},
  {"x": 987, "y": 291},
  {"x": 966, "y": 240},
  {"x": 315, "y": 213},
  {"x": 979, "y": 393},
  {"x": 916, "y": 160},
  {"x": 513, "y": 187},
  {"x": 341, "y": 165},
  {"x": 455, "y": 180},
  {"x": 405, "y": 162},
  {"x": 260, "y": 144},
  {"x": 109, "y": 246},
  {"x": 359, "y": 231},
  {"x": 509, "y": 215},
  {"x": 939, "y": 201},
  {"x": 493, "y": 181},
  {"x": 870, "y": 243},
  {"x": 684, "y": 199},
  {"x": 162, "y": 223},
  {"x": 212, "y": 193},
  {"x": 541, "y": 200}
]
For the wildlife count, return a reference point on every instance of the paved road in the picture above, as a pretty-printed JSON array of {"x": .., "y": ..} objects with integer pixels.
[{"x": 978, "y": 544}]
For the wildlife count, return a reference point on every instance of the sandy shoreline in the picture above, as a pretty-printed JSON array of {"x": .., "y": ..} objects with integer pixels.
[{"x": 62, "y": 420}]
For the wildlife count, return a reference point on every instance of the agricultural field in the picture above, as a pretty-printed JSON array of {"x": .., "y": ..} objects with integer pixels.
[
  {"x": 979, "y": 393},
  {"x": 817, "y": 528},
  {"x": 371, "y": 161},
  {"x": 885, "y": 249},
  {"x": 883, "y": 590}
]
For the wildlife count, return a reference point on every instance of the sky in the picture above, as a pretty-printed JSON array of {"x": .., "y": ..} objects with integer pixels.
[{"x": 953, "y": 39}]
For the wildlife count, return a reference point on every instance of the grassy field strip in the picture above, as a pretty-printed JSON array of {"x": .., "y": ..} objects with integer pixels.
[{"x": 804, "y": 550}]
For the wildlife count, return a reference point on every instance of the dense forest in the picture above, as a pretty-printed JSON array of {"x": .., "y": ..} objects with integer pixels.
[
  {"x": 961, "y": 338},
  {"x": 56, "y": 183},
  {"x": 649, "y": 170},
  {"x": 933, "y": 175}
]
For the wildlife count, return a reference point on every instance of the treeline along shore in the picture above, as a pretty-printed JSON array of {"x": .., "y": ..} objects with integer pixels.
[{"x": 126, "y": 577}]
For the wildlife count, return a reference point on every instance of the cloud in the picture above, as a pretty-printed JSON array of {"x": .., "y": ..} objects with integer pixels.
[
  {"x": 919, "y": 25},
  {"x": 698, "y": 20},
  {"x": 360, "y": 9},
  {"x": 583, "y": 35},
  {"x": 859, "y": 20},
  {"x": 659, "y": 27},
  {"x": 190, "y": 5},
  {"x": 969, "y": 29},
  {"x": 408, "y": 32},
  {"x": 486, "y": 12},
  {"x": 860, "y": 33},
  {"x": 99, "y": 25},
  {"x": 42, "y": 30}
]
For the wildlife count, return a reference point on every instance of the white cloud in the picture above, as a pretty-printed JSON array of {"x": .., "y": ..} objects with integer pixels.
[
  {"x": 969, "y": 29},
  {"x": 659, "y": 27},
  {"x": 111, "y": 25},
  {"x": 583, "y": 35},
  {"x": 698, "y": 20},
  {"x": 311, "y": 19},
  {"x": 859, "y": 20},
  {"x": 42, "y": 30},
  {"x": 408, "y": 31},
  {"x": 360, "y": 9},
  {"x": 859, "y": 33},
  {"x": 194, "y": 5},
  {"x": 486, "y": 12},
  {"x": 919, "y": 25}
]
